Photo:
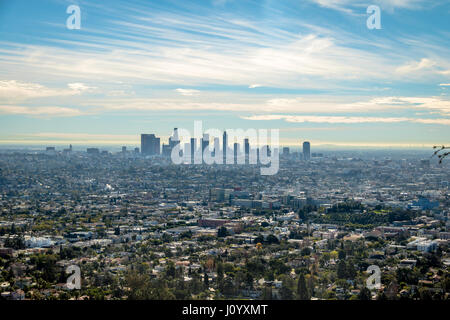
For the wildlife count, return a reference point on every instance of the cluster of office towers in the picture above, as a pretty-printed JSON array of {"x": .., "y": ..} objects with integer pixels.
[{"x": 151, "y": 146}]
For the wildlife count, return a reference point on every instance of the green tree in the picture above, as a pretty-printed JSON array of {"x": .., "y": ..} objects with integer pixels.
[
  {"x": 302, "y": 290},
  {"x": 206, "y": 280},
  {"x": 364, "y": 294},
  {"x": 286, "y": 292},
  {"x": 222, "y": 232},
  {"x": 272, "y": 239},
  {"x": 259, "y": 239},
  {"x": 170, "y": 270},
  {"x": 267, "y": 293},
  {"x": 342, "y": 270}
]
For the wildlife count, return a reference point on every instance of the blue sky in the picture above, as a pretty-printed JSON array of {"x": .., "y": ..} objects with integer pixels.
[{"x": 310, "y": 68}]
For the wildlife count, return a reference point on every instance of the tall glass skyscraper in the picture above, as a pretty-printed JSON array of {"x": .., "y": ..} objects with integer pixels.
[
  {"x": 150, "y": 144},
  {"x": 225, "y": 147},
  {"x": 306, "y": 151}
]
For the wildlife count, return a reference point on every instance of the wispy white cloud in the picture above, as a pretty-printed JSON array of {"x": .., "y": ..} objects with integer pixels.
[
  {"x": 344, "y": 119},
  {"x": 431, "y": 104},
  {"x": 13, "y": 91},
  {"x": 316, "y": 104},
  {"x": 352, "y": 6},
  {"x": 402, "y": 4},
  {"x": 340, "y": 5},
  {"x": 323, "y": 104},
  {"x": 300, "y": 62},
  {"x": 414, "y": 66},
  {"x": 284, "y": 59},
  {"x": 80, "y": 87},
  {"x": 40, "y": 111},
  {"x": 173, "y": 49},
  {"x": 188, "y": 92}
]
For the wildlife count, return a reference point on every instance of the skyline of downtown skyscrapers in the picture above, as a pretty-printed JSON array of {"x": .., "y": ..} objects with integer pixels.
[{"x": 241, "y": 152}]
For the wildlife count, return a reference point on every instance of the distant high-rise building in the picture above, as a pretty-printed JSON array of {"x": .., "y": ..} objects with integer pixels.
[
  {"x": 68, "y": 150},
  {"x": 174, "y": 139},
  {"x": 246, "y": 150},
  {"x": 238, "y": 155},
  {"x": 306, "y": 151},
  {"x": 150, "y": 144},
  {"x": 225, "y": 146},
  {"x": 166, "y": 150},
  {"x": 175, "y": 135},
  {"x": 205, "y": 143},
  {"x": 216, "y": 149},
  {"x": 146, "y": 143},
  {"x": 93, "y": 151},
  {"x": 186, "y": 150},
  {"x": 286, "y": 151},
  {"x": 193, "y": 148},
  {"x": 265, "y": 151},
  {"x": 124, "y": 149},
  {"x": 136, "y": 150}
]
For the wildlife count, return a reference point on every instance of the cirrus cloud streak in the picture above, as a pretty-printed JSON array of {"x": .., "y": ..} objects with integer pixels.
[{"x": 344, "y": 119}]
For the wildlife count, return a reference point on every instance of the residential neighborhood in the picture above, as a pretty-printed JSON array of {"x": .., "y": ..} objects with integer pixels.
[{"x": 140, "y": 227}]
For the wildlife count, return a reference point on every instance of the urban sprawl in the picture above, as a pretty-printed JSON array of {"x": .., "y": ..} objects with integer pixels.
[{"x": 140, "y": 227}]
